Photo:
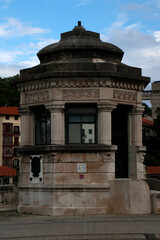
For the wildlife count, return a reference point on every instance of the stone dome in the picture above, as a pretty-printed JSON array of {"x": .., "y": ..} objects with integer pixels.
[
  {"x": 78, "y": 44},
  {"x": 81, "y": 53}
]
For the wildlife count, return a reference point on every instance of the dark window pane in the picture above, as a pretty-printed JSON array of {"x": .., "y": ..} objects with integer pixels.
[
  {"x": 74, "y": 119},
  {"x": 88, "y": 119},
  {"x": 74, "y": 133}
]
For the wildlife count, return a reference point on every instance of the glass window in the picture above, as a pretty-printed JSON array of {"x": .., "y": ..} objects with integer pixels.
[
  {"x": 7, "y": 117},
  {"x": 42, "y": 126},
  {"x": 16, "y": 117},
  {"x": 81, "y": 124},
  {"x": 16, "y": 129}
]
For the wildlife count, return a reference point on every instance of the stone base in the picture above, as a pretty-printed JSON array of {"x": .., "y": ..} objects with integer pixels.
[
  {"x": 130, "y": 197},
  {"x": 155, "y": 198},
  {"x": 60, "y": 211}
]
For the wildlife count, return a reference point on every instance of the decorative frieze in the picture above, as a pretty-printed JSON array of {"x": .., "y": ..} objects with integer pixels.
[
  {"x": 80, "y": 94},
  {"x": 39, "y": 85},
  {"x": 37, "y": 97},
  {"x": 124, "y": 96}
]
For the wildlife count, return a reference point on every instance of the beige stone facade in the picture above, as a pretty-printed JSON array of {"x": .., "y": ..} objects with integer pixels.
[{"x": 81, "y": 117}]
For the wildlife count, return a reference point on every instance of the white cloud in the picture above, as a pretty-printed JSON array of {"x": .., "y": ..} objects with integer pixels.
[
  {"x": 42, "y": 43},
  {"x": 9, "y": 56},
  {"x": 12, "y": 27},
  {"x": 5, "y": 3},
  {"x": 83, "y": 2},
  {"x": 140, "y": 49}
]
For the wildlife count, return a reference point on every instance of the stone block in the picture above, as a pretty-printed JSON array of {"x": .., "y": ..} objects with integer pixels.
[
  {"x": 129, "y": 197},
  {"x": 155, "y": 198}
]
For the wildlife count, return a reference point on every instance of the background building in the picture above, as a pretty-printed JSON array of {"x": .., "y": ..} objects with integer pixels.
[
  {"x": 154, "y": 96},
  {"x": 9, "y": 136}
]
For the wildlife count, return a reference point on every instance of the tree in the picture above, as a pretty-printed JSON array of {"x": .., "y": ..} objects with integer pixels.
[
  {"x": 153, "y": 144},
  {"x": 147, "y": 110},
  {"x": 157, "y": 123},
  {"x": 9, "y": 95}
]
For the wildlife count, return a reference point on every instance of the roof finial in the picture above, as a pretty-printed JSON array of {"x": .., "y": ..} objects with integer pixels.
[{"x": 79, "y": 23}]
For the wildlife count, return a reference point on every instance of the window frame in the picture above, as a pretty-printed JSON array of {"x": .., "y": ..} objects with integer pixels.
[{"x": 81, "y": 122}]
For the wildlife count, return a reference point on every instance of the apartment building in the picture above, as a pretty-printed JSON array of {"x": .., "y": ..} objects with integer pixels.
[{"x": 9, "y": 136}]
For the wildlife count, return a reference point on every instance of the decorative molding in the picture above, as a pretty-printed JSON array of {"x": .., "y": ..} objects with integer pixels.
[
  {"x": 55, "y": 108},
  {"x": 124, "y": 96},
  {"x": 80, "y": 94},
  {"x": 107, "y": 157},
  {"x": 37, "y": 97},
  {"x": 24, "y": 110},
  {"x": 129, "y": 86},
  {"x": 140, "y": 157},
  {"x": 137, "y": 110},
  {"x": 56, "y": 157},
  {"x": 45, "y": 84},
  {"x": 106, "y": 107}
]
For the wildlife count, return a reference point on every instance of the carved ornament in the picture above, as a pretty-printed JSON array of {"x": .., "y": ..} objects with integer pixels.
[
  {"x": 107, "y": 157},
  {"x": 124, "y": 96},
  {"x": 140, "y": 157},
  {"x": 80, "y": 94},
  {"x": 45, "y": 84},
  {"x": 138, "y": 110},
  {"x": 37, "y": 97},
  {"x": 106, "y": 107},
  {"x": 55, "y": 108}
]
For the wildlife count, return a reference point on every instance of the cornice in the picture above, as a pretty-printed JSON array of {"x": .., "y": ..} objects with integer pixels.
[{"x": 79, "y": 83}]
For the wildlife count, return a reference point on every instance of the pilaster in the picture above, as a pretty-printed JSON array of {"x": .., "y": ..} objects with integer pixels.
[
  {"x": 104, "y": 122},
  {"x": 26, "y": 130},
  {"x": 136, "y": 125},
  {"x": 57, "y": 123}
]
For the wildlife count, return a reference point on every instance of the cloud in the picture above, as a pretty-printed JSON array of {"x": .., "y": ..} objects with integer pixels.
[
  {"x": 14, "y": 28},
  {"x": 5, "y": 3},
  {"x": 83, "y": 2},
  {"x": 13, "y": 61},
  {"x": 42, "y": 43},
  {"x": 141, "y": 49}
]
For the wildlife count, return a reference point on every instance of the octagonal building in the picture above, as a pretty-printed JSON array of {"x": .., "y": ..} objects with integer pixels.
[{"x": 81, "y": 141}]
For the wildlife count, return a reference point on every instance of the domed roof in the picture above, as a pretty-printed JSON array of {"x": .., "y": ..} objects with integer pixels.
[
  {"x": 81, "y": 53},
  {"x": 80, "y": 43}
]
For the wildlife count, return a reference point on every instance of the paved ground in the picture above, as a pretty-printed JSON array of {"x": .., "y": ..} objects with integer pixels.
[{"x": 16, "y": 226}]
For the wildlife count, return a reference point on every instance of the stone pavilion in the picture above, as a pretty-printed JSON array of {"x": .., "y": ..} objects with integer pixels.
[{"x": 81, "y": 141}]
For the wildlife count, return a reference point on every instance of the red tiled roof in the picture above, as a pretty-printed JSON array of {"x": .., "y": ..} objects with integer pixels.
[
  {"x": 9, "y": 111},
  {"x": 6, "y": 171},
  {"x": 153, "y": 170},
  {"x": 147, "y": 122}
]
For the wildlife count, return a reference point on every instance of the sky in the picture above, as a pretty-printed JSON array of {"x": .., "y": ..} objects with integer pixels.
[{"x": 26, "y": 26}]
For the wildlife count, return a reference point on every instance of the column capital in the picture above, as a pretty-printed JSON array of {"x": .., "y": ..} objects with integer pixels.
[
  {"x": 137, "y": 110},
  {"x": 24, "y": 110},
  {"x": 55, "y": 107},
  {"x": 106, "y": 107}
]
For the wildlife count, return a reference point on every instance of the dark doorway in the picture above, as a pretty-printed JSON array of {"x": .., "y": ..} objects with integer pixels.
[{"x": 120, "y": 138}]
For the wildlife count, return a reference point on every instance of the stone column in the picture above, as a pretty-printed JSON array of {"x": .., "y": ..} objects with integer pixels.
[
  {"x": 104, "y": 122},
  {"x": 57, "y": 123},
  {"x": 136, "y": 150},
  {"x": 136, "y": 125},
  {"x": 25, "y": 126}
]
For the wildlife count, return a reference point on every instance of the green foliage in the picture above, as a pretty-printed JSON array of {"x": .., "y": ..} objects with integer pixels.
[
  {"x": 147, "y": 110},
  {"x": 157, "y": 124},
  {"x": 153, "y": 144},
  {"x": 9, "y": 95},
  {"x": 151, "y": 161}
]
